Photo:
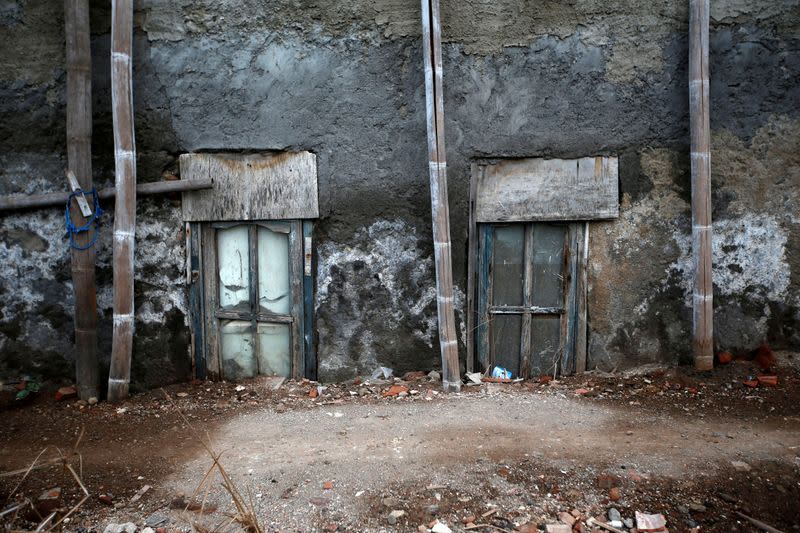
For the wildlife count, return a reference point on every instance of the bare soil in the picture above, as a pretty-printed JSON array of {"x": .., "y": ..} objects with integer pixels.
[{"x": 694, "y": 447}]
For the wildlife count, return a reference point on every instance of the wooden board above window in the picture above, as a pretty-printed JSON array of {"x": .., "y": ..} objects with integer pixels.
[
  {"x": 273, "y": 186},
  {"x": 529, "y": 190}
]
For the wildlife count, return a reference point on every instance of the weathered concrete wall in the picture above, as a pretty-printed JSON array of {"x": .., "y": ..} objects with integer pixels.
[{"x": 558, "y": 79}]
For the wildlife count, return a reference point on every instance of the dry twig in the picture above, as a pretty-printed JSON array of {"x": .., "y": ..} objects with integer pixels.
[{"x": 245, "y": 514}]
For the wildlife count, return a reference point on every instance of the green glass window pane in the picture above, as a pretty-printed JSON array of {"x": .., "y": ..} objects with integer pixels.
[
  {"x": 507, "y": 266},
  {"x": 236, "y": 348},
  {"x": 233, "y": 256},
  {"x": 273, "y": 271},
  {"x": 506, "y": 334},
  {"x": 545, "y": 343},
  {"x": 275, "y": 349},
  {"x": 548, "y": 265}
]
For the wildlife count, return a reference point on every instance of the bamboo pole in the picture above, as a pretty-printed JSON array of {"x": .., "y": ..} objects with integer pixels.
[
  {"x": 79, "y": 162},
  {"x": 22, "y": 201},
  {"x": 437, "y": 165},
  {"x": 125, "y": 205},
  {"x": 699, "y": 122}
]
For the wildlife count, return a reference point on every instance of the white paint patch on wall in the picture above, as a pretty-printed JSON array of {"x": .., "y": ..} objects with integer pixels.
[
  {"x": 392, "y": 263},
  {"x": 749, "y": 256}
]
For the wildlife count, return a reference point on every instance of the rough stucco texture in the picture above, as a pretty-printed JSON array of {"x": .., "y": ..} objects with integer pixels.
[{"x": 344, "y": 80}]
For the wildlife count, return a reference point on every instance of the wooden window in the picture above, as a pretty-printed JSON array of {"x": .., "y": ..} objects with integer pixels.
[
  {"x": 526, "y": 271},
  {"x": 527, "y": 297},
  {"x": 251, "y": 298}
]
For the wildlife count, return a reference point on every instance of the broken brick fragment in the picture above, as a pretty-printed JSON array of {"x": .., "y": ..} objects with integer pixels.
[
  {"x": 65, "y": 393},
  {"x": 328, "y": 485},
  {"x": 614, "y": 494},
  {"x": 724, "y": 358},
  {"x": 394, "y": 390},
  {"x": 768, "y": 381}
]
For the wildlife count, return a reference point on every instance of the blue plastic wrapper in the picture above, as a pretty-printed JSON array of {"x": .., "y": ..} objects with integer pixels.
[{"x": 500, "y": 372}]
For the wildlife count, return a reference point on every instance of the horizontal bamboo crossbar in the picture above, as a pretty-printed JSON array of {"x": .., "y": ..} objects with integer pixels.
[{"x": 20, "y": 201}]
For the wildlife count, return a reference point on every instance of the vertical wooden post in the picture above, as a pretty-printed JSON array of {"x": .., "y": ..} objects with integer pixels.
[
  {"x": 79, "y": 162},
  {"x": 699, "y": 122},
  {"x": 125, "y": 206},
  {"x": 437, "y": 164}
]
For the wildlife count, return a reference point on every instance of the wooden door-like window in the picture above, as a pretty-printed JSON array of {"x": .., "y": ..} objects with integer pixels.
[
  {"x": 526, "y": 297},
  {"x": 253, "y": 275}
]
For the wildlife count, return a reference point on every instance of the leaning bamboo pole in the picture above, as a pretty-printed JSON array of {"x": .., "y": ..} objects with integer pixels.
[
  {"x": 699, "y": 123},
  {"x": 79, "y": 161},
  {"x": 125, "y": 205},
  {"x": 437, "y": 165}
]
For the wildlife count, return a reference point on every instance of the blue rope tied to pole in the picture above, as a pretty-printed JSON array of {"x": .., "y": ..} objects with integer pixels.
[{"x": 73, "y": 230}]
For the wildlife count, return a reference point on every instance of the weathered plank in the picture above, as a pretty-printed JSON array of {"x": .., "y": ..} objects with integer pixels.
[
  {"x": 278, "y": 186},
  {"x": 529, "y": 190},
  {"x": 580, "y": 294},
  {"x": 699, "y": 125},
  {"x": 79, "y": 160}
]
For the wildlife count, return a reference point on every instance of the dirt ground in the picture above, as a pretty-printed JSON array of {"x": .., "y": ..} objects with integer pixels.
[{"x": 697, "y": 448}]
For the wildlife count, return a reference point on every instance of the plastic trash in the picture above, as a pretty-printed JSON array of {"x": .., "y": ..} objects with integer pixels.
[
  {"x": 382, "y": 371},
  {"x": 474, "y": 377},
  {"x": 500, "y": 372}
]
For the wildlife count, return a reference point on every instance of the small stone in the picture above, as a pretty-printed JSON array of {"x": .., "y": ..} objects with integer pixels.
[
  {"x": 566, "y": 518},
  {"x": 432, "y": 509},
  {"x": 439, "y": 527},
  {"x": 468, "y": 519},
  {"x": 106, "y": 499},
  {"x": 394, "y": 516},
  {"x": 558, "y": 528},
  {"x": 148, "y": 530},
  {"x": 128, "y": 527},
  {"x": 615, "y": 523},
  {"x": 614, "y": 514},
  {"x": 614, "y": 494},
  {"x": 92, "y": 400},
  {"x": 155, "y": 520},
  {"x": 697, "y": 507},
  {"x": 628, "y": 523},
  {"x": 182, "y": 394},
  {"x": 741, "y": 466},
  {"x": 331, "y": 526},
  {"x": 434, "y": 375},
  {"x": 389, "y": 501},
  {"x": 422, "y": 529}
]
